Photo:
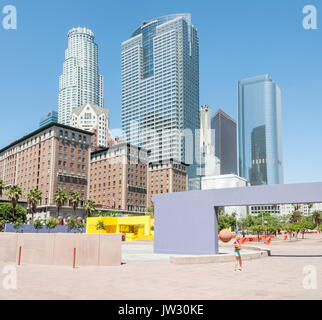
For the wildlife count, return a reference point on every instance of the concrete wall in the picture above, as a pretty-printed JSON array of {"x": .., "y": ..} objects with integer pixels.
[
  {"x": 186, "y": 223},
  {"x": 57, "y": 249}
]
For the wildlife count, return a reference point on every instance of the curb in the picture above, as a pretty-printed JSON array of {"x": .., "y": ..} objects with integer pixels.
[{"x": 202, "y": 259}]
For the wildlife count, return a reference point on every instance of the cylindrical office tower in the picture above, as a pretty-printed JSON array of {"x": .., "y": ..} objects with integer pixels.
[{"x": 80, "y": 82}]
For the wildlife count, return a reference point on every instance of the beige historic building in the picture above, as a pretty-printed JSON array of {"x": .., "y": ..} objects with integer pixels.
[
  {"x": 53, "y": 157},
  {"x": 118, "y": 178},
  {"x": 166, "y": 177}
]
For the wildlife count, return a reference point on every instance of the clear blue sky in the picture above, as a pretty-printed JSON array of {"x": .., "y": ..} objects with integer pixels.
[{"x": 238, "y": 39}]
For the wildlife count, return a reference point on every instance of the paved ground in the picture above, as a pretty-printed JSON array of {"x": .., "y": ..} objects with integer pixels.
[{"x": 277, "y": 277}]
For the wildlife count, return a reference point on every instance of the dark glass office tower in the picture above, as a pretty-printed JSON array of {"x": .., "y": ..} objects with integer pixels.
[
  {"x": 259, "y": 128},
  {"x": 225, "y": 141}
]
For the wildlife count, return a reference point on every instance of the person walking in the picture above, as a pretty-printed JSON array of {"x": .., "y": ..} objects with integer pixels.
[{"x": 237, "y": 248}]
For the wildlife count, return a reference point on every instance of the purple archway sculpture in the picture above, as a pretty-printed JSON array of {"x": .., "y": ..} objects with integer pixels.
[{"x": 186, "y": 223}]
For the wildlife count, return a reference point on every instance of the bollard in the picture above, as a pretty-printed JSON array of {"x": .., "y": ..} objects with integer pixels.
[
  {"x": 74, "y": 258},
  {"x": 19, "y": 256}
]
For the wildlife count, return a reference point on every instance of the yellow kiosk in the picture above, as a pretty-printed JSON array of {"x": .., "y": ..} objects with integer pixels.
[{"x": 133, "y": 228}]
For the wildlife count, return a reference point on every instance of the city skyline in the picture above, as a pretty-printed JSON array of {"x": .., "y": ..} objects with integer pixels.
[{"x": 296, "y": 165}]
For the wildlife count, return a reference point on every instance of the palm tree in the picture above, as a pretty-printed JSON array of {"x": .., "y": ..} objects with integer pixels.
[
  {"x": 310, "y": 205},
  {"x": 1, "y": 187},
  {"x": 14, "y": 194},
  {"x": 317, "y": 217},
  {"x": 296, "y": 206},
  {"x": 33, "y": 196},
  {"x": 89, "y": 207},
  {"x": 74, "y": 198},
  {"x": 296, "y": 217},
  {"x": 60, "y": 197}
]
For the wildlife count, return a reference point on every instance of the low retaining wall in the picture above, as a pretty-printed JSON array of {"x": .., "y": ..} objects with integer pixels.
[
  {"x": 58, "y": 249},
  {"x": 201, "y": 259}
]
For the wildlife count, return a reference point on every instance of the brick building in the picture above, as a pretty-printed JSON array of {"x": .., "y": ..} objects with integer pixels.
[
  {"x": 118, "y": 177},
  {"x": 53, "y": 157},
  {"x": 166, "y": 177}
]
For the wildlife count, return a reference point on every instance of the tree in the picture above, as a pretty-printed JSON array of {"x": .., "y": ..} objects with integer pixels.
[
  {"x": 296, "y": 206},
  {"x": 310, "y": 205},
  {"x": 89, "y": 207},
  {"x": 18, "y": 224},
  {"x": 296, "y": 217},
  {"x": 33, "y": 197},
  {"x": 1, "y": 187},
  {"x": 317, "y": 217},
  {"x": 37, "y": 224},
  {"x": 242, "y": 224},
  {"x": 222, "y": 222},
  {"x": 60, "y": 197},
  {"x": 305, "y": 226},
  {"x": 319, "y": 228},
  {"x": 51, "y": 223},
  {"x": 71, "y": 224},
  {"x": 80, "y": 226},
  {"x": 6, "y": 213},
  {"x": 258, "y": 229},
  {"x": 15, "y": 193},
  {"x": 151, "y": 211},
  {"x": 100, "y": 226},
  {"x": 75, "y": 199}
]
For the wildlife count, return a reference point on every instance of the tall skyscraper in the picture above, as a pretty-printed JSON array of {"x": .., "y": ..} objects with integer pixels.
[
  {"x": 48, "y": 118},
  {"x": 260, "y": 142},
  {"x": 225, "y": 141},
  {"x": 80, "y": 82},
  {"x": 209, "y": 163},
  {"x": 160, "y": 90}
]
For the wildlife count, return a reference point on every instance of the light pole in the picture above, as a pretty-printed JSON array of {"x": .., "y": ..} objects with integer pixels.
[{"x": 265, "y": 222}]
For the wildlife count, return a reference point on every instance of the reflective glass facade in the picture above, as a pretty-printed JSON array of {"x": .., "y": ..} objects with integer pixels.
[
  {"x": 160, "y": 87},
  {"x": 259, "y": 129}
]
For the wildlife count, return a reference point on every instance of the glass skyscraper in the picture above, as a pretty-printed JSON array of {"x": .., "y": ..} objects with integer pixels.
[
  {"x": 259, "y": 129},
  {"x": 160, "y": 90},
  {"x": 80, "y": 82},
  {"x": 225, "y": 141},
  {"x": 48, "y": 118}
]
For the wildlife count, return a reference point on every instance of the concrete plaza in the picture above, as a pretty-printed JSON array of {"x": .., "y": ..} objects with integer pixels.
[{"x": 147, "y": 276}]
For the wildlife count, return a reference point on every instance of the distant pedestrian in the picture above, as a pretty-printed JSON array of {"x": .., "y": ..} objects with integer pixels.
[{"x": 237, "y": 248}]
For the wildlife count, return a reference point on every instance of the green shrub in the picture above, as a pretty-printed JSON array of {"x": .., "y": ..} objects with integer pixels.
[
  {"x": 72, "y": 224},
  {"x": 7, "y": 216},
  {"x": 37, "y": 224},
  {"x": 51, "y": 223}
]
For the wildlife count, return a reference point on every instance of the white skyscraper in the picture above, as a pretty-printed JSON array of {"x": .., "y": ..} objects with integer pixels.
[
  {"x": 80, "y": 82},
  {"x": 209, "y": 163}
]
